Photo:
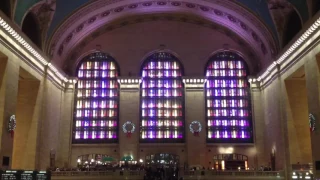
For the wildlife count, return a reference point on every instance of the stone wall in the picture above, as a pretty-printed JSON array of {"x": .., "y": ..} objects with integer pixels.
[{"x": 36, "y": 103}]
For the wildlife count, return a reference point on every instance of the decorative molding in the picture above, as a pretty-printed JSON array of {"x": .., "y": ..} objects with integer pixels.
[
  {"x": 15, "y": 40},
  {"x": 194, "y": 83},
  {"x": 307, "y": 38},
  {"x": 126, "y": 80}
]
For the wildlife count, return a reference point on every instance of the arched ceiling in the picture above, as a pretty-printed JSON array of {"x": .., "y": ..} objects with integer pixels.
[
  {"x": 74, "y": 23},
  {"x": 66, "y": 7},
  {"x": 193, "y": 38},
  {"x": 244, "y": 24}
]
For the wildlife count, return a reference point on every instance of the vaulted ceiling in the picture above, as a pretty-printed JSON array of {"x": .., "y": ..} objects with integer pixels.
[
  {"x": 65, "y": 8},
  {"x": 66, "y": 25}
]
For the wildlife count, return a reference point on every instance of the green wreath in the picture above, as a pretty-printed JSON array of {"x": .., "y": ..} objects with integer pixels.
[
  {"x": 312, "y": 122},
  {"x": 12, "y": 123}
]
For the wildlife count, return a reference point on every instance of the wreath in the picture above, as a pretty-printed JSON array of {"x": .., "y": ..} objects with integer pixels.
[
  {"x": 195, "y": 131},
  {"x": 125, "y": 130},
  {"x": 12, "y": 124},
  {"x": 312, "y": 122}
]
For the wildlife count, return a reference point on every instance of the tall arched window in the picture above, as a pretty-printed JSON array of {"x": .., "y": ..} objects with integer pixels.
[
  {"x": 97, "y": 100},
  {"x": 293, "y": 27},
  {"x": 162, "y": 99},
  {"x": 31, "y": 28},
  {"x": 228, "y": 106},
  {"x": 5, "y": 7}
]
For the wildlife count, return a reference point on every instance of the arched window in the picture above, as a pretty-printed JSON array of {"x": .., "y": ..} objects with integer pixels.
[
  {"x": 5, "y": 7},
  {"x": 162, "y": 99},
  {"x": 97, "y": 100},
  {"x": 293, "y": 26},
  {"x": 315, "y": 6},
  {"x": 228, "y": 107},
  {"x": 31, "y": 28}
]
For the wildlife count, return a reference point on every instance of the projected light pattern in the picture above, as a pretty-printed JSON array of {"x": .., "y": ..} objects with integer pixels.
[
  {"x": 96, "y": 101},
  {"x": 162, "y": 97},
  {"x": 228, "y": 108}
]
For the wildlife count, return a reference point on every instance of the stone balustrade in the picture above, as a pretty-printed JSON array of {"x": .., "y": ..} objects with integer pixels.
[{"x": 187, "y": 175}]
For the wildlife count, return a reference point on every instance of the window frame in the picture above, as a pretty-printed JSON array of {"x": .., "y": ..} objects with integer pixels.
[
  {"x": 250, "y": 127},
  {"x": 106, "y": 58},
  {"x": 147, "y": 60}
]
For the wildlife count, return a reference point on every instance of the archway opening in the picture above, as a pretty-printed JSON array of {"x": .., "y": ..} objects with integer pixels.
[
  {"x": 230, "y": 162},
  {"x": 97, "y": 162},
  {"x": 315, "y": 6},
  {"x": 165, "y": 160},
  {"x": 5, "y": 7},
  {"x": 31, "y": 28},
  {"x": 293, "y": 26}
]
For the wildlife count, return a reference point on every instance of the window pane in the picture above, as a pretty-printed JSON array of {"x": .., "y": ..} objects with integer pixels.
[
  {"x": 162, "y": 98},
  {"x": 96, "y": 100},
  {"x": 228, "y": 108}
]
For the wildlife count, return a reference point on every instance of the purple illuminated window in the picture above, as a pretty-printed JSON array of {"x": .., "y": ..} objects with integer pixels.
[
  {"x": 228, "y": 108},
  {"x": 162, "y": 99},
  {"x": 96, "y": 100}
]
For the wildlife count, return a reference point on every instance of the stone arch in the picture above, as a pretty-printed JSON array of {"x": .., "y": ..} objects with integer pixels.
[{"x": 167, "y": 159}]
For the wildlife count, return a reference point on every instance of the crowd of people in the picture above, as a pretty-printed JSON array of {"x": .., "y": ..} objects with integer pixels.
[{"x": 161, "y": 173}]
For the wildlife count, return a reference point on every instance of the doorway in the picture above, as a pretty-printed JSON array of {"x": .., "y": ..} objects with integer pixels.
[
  {"x": 162, "y": 160},
  {"x": 230, "y": 162}
]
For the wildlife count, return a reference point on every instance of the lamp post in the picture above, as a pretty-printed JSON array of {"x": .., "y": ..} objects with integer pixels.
[{"x": 79, "y": 162}]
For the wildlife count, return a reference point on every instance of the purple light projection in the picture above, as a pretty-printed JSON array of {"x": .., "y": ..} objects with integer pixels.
[
  {"x": 228, "y": 109},
  {"x": 96, "y": 101},
  {"x": 162, "y": 110}
]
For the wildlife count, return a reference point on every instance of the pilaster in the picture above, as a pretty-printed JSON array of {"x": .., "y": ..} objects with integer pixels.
[{"x": 9, "y": 77}]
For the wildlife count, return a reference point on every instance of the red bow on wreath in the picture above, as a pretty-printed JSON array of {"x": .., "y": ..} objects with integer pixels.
[
  {"x": 12, "y": 133},
  {"x": 12, "y": 125},
  {"x": 129, "y": 134},
  {"x": 196, "y": 133}
]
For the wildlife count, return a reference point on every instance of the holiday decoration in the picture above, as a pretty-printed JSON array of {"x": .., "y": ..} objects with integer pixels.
[
  {"x": 12, "y": 125},
  {"x": 125, "y": 130},
  {"x": 193, "y": 130},
  {"x": 312, "y": 122}
]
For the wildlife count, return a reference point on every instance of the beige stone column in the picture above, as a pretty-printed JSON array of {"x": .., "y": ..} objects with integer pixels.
[
  {"x": 312, "y": 80},
  {"x": 65, "y": 126},
  {"x": 9, "y": 77},
  {"x": 275, "y": 122},
  {"x": 195, "y": 111},
  {"x": 129, "y": 111},
  {"x": 258, "y": 125}
]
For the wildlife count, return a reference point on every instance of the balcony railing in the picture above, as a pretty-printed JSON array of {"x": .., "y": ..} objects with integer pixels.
[{"x": 205, "y": 174}]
